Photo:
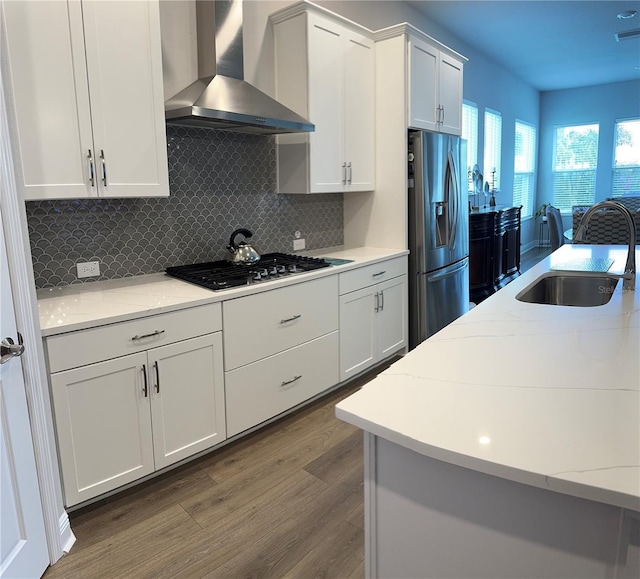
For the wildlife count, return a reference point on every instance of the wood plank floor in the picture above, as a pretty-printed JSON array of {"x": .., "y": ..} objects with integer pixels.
[{"x": 286, "y": 501}]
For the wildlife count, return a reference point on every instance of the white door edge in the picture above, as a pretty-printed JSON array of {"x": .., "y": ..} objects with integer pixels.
[{"x": 60, "y": 537}]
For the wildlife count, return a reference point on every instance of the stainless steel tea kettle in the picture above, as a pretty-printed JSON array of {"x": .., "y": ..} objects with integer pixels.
[{"x": 242, "y": 253}]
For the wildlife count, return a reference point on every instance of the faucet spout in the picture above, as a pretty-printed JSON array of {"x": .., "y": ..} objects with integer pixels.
[{"x": 629, "y": 275}]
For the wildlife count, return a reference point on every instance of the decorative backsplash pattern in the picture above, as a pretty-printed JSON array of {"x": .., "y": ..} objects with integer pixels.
[{"x": 219, "y": 181}]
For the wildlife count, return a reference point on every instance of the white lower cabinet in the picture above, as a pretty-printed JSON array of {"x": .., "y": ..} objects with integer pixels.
[
  {"x": 259, "y": 391},
  {"x": 121, "y": 419},
  {"x": 134, "y": 397},
  {"x": 103, "y": 422},
  {"x": 281, "y": 348},
  {"x": 373, "y": 319}
]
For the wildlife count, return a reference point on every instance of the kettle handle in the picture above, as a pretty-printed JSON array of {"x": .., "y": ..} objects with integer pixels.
[{"x": 245, "y": 232}]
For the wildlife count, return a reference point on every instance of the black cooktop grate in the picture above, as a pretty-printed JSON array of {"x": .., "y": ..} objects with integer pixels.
[{"x": 220, "y": 275}]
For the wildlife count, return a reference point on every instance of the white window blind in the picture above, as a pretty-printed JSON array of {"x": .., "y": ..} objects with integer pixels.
[
  {"x": 524, "y": 167},
  {"x": 575, "y": 159},
  {"x": 492, "y": 147},
  {"x": 470, "y": 133},
  {"x": 626, "y": 158}
]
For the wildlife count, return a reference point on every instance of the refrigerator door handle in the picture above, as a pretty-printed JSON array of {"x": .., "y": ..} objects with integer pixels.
[
  {"x": 441, "y": 275},
  {"x": 453, "y": 193}
]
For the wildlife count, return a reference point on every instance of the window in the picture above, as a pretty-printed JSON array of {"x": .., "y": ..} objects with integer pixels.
[
  {"x": 492, "y": 148},
  {"x": 470, "y": 133},
  {"x": 575, "y": 158},
  {"x": 524, "y": 167},
  {"x": 626, "y": 158}
]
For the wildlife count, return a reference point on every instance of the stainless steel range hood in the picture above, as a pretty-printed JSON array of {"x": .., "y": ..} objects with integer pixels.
[{"x": 221, "y": 98}]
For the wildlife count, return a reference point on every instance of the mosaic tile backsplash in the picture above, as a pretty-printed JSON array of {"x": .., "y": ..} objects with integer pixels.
[{"x": 219, "y": 182}]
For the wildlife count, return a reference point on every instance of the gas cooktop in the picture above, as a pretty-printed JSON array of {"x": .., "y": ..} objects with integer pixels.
[{"x": 220, "y": 275}]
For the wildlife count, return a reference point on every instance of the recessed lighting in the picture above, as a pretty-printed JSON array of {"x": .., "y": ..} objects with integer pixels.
[{"x": 626, "y": 14}]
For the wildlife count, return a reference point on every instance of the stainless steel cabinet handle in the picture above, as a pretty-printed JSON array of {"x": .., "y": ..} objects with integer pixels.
[
  {"x": 297, "y": 316},
  {"x": 9, "y": 349},
  {"x": 379, "y": 273},
  {"x": 381, "y": 300},
  {"x": 146, "y": 383},
  {"x": 344, "y": 173},
  {"x": 92, "y": 176},
  {"x": 349, "y": 172},
  {"x": 156, "y": 333},
  {"x": 442, "y": 121},
  {"x": 294, "y": 379},
  {"x": 104, "y": 167},
  {"x": 155, "y": 364},
  {"x": 377, "y": 308}
]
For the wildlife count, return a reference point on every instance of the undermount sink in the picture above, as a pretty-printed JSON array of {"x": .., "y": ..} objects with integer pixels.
[{"x": 570, "y": 290}]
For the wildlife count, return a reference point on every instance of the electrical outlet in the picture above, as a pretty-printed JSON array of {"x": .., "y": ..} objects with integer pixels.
[
  {"x": 298, "y": 244},
  {"x": 88, "y": 269}
]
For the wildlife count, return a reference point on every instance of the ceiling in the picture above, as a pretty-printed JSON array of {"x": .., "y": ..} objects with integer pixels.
[{"x": 550, "y": 44}]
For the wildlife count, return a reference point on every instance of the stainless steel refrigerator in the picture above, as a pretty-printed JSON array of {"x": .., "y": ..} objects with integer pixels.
[{"x": 438, "y": 233}]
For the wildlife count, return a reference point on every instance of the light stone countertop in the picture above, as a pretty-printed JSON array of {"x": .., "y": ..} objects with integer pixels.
[
  {"x": 543, "y": 395},
  {"x": 92, "y": 304}
]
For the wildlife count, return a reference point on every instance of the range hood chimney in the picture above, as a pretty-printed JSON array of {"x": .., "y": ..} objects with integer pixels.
[{"x": 221, "y": 98}]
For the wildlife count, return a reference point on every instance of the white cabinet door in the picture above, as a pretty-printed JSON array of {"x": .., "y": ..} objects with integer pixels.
[
  {"x": 187, "y": 398},
  {"x": 450, "y": 90},
  {"x": 51, "y": 99},
  {"x": 358, "y": 348},
  {"x": 359, "y": 133},
  {"x": 88, "y": 98},
  {"x": 103, "y": 423},
  {"x": 435, "y": 89},
  {"x": 326, "y": 106},
  {"x": 423, "y": 85},
  {"x": 325, "y": 68},
  {"x": 127, "y": 100},
  {"x": 373, "y": 325},
  {"x": 392, "y": 316}
]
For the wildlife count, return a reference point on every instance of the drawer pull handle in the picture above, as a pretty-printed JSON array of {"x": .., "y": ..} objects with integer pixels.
[
  {"x": 291, "y": 319},
  {"x": 294, "y": 379},
  {"x": 146, "y": 384},
  {"x": 156, "y": 365},
  {"x": 379, "y": 273},
  {"x": 156, "y": 333}
]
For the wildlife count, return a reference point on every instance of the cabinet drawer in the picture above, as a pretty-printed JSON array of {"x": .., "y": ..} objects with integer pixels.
[
  {"x": 370, "y": 274},
  {"x": 264, "y": 389},
  {"x": 264, "y": 324},
  {"x": 105, "y": 342}
]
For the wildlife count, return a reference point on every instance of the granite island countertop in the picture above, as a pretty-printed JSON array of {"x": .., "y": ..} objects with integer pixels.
[
  {"x": 544, "y": 395},
  {"x": 86, "y": 305}
]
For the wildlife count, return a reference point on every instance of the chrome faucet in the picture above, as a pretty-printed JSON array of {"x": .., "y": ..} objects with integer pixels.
[{"x": 629, "y": 275}]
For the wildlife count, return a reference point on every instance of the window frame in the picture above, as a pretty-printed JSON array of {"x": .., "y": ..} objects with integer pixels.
[
  {"x": 528, "y": 202},
  {"x": 472, "y": 143},
  {"x": 496, "y": 153},
  {"x": 635, "y": 167},
  {"x": 586, "y": 199}
]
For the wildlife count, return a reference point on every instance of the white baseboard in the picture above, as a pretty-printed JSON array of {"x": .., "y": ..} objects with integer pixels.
[{"x": 67, "y": 538}]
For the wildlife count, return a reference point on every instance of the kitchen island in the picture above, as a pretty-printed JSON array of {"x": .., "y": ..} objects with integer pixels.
[{"x": 508, "y": 444}]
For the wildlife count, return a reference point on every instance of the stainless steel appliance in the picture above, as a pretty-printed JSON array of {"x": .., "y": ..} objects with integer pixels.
[
  {"x": 221, "y": 275},
  {"x": 438, "y": 233},
  {"x": 221, "y": 98}
]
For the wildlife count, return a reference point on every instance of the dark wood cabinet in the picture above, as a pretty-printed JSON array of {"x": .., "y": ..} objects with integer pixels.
[{"x": 494, "y": 250}]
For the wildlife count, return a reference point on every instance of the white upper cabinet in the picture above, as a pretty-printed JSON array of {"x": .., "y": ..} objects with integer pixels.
[
  {"x": 435, "y": 88},
  {"x": 86, "y": 78},
  {"x": 325, "y": 72}
]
